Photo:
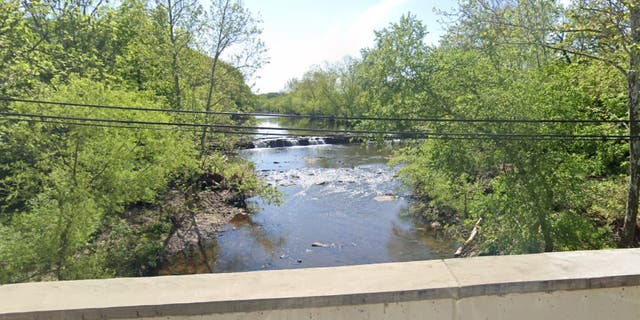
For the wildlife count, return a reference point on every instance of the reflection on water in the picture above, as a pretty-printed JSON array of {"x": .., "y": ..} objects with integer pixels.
[{"x": 342, "y": 206}]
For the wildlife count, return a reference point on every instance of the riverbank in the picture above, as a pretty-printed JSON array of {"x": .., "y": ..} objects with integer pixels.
[
  {"x": 198, "y": 217},
  {"x": 145, "y": 235},
  {"x": 593, "y": 221}
]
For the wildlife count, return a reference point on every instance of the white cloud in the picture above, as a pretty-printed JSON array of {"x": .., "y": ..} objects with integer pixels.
[
  {"x": 292, "y": 57},
  {"x": 358, "y": 34}
]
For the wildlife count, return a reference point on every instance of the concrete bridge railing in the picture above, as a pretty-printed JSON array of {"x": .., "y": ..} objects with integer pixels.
[{"x": 574, "y": 285}]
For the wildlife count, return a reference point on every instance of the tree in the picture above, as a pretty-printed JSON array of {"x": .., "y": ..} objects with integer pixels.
[
  {"x": 80, "y": 199},
  {"x": 612, "y": 31},
  {"x": 149, "y": 59},
  {"x": 75, "y": 34},
  {"x": 78, "y": 178},
  {"x": 183, "y": 24},
  {"x": 19, "y": 57},
  {"x": 330, "y": 90},
  {"x": 396, "y": 72},
  {"x": 606, "y": 31},
  {"x": 529, "y": 192},
  {"x": 229, "y": 27}
]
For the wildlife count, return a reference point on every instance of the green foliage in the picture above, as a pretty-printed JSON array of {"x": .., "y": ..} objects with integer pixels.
[
  {"x": 79, "y": 176},
  {"x": 134, "y": 242},
  {"x": 81, "y": 200},
  {"x": 64, "y": 185},
  {"x": 330, "y": 90},
  {"x": 396, "y": 74},
  {"x": 530, "y": 193},
  {"x": 499, "y": 60},
  {"x": 237, "y": 175},
  {"x": 20, "y": 63}
]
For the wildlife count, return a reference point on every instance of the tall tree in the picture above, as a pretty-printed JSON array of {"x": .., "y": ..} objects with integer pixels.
[
  {"x": 183, "y": 21},
  {"x": 230, "y": 27},
  {"x": 602, "y": 30},
  {"x": 396, "y": 74}
]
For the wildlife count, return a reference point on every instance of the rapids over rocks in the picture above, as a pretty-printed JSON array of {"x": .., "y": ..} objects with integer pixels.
[{"x": 342, "y": 205}]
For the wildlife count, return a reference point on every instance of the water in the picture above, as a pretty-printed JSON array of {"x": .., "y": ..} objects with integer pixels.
[{"x": 342, "y": 206}]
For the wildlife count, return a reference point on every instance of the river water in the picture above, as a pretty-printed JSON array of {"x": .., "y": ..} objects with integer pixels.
[{"x": 342, "y": 205}]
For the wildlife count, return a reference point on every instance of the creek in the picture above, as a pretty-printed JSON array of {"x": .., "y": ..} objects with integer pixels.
[{"x": 342, "y": 205}]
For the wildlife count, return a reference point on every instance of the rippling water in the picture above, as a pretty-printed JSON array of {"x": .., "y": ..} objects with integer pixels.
[{"x": 342, "y": 205}]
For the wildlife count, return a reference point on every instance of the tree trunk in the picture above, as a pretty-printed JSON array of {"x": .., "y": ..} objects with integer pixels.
[
  {"x": 546, "y": 232},
  {"x": 176, "y": 83},
  {"x": 633, "y": 87},
  {"x": 174, "y": 56},
  {"x": 212, "y": 86}
]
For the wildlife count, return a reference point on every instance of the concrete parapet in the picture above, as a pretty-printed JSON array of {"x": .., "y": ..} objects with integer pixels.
[{"x": 572, "y": 285}]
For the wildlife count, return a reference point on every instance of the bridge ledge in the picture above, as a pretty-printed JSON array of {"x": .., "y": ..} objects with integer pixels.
[{"x": 314, "y": 289}]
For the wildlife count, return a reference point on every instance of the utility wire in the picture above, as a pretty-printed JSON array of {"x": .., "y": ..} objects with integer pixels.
[
  {"x": 116, "y": 123},
  {"x": 96, "y": 125},
  {"x": 116, "y": 126},
  {"x": 248, "y": 133},
  {"x": 285, "y": 115}
]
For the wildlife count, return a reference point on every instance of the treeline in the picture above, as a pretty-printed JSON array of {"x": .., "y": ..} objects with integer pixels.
[
  {"x": 328, "y": 90},
  {"x": 79, "y": 198},
  {"x": 537, "y": 185}
]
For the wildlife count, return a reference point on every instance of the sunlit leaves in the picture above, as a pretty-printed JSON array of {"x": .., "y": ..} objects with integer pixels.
[
  {"x": 79, "y": 175},
  {"x": 396, "y": 73}
]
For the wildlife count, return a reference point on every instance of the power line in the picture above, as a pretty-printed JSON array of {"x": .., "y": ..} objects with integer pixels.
[
  {"x": 97, "y": 125},
  {"x": 113, "y": 107},
  {"x": 309, "y": 116},
  {"x": 437, "y": 120},
  {"x": 203, "y": 125},
  {"x": 115, "y": 126},
  {"x": 116, "y": 123}
]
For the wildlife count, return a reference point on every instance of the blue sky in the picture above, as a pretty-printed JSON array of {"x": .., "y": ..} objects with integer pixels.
[{"x": 302, "y": 33}]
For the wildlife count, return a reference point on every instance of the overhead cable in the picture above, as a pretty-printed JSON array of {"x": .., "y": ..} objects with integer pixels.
[
  {"x": 253, "y": 130},
  {"x": 310, "y": 116}
]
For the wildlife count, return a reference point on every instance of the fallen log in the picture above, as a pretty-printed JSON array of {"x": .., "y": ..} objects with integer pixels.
[{"x": 472, "y": 236}]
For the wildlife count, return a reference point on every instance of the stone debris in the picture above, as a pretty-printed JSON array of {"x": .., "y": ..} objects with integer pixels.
[{"x": 385, "y": 198}]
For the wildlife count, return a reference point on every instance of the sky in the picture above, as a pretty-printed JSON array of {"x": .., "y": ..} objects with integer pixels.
[{"x": 302, "y": 33}]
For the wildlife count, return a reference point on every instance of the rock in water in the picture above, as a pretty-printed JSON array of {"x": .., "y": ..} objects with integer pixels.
[
  {"x": 385, "y": 198},
  {"x": 319, "y": 245}
]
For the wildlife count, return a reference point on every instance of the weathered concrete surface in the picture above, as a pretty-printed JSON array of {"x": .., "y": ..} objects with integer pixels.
[
  {"x": 556, "y": 286},
  {"x": 224, "y": 293},
  {"x": 546, "y": 272},
  {"x": 609, "y": 303}
]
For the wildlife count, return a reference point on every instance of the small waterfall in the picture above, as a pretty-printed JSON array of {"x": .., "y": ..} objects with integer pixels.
[
  {"x": 299, "y": 141},
  {"x": 313, "y": 141}
]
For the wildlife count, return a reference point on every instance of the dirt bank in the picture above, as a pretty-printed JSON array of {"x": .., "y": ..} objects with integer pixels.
[{"x": 197, "y": 217}]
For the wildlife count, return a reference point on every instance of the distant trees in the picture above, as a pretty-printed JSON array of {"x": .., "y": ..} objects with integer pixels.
[{"x": 327, "y": 90}]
